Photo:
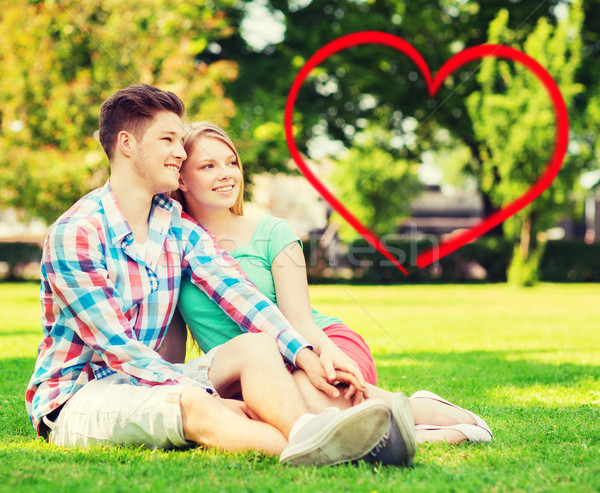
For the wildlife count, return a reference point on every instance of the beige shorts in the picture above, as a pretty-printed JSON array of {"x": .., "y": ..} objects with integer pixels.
[{"x": 112, "y": 410}]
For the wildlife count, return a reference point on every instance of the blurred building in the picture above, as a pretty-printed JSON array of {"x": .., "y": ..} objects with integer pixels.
[
  {"x": 291, "y": 198},
  {"x": 437, "y": 213},
  {"x": 14, "y": 228},
  {"x": 592, "y": 218}
]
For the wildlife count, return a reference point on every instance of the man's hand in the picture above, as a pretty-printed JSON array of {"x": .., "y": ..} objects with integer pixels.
[{"x": 311, "y": 364}]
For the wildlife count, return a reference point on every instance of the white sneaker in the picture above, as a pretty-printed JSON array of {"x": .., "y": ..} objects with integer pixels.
[
  {"x": 425, "y": 394},
  {"x": 337, "y": 436}
]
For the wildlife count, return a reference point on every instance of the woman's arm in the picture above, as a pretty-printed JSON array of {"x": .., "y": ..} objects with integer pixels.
[{"x": 291, "y": 288}]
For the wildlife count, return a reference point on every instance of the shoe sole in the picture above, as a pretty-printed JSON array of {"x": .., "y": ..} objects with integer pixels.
[
  {"x": 344, "y": 440},
  {"x": 474, "y": 433},
  {"x": 403, "y": 416}
]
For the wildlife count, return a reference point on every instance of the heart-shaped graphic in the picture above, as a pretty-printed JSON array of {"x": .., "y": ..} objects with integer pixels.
[{"x": 457, "y": 61}]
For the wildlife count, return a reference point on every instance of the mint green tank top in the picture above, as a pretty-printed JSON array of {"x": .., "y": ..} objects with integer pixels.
[{"x": 209, "y": 325}]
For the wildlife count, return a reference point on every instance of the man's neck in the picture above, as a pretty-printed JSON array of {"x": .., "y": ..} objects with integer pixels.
[{"x": 135, "y": 203}]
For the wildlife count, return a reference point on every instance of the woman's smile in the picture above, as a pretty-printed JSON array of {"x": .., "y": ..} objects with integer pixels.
[{"x": 224, "y": 188}]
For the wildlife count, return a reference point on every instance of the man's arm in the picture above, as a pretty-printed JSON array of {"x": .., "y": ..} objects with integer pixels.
[{"x": 76, "y": 272}]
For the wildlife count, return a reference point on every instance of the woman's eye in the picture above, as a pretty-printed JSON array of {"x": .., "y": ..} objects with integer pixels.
[
  {"x": 233, "y": 163},
  {"x": 168, "y": 139},
  {"x": 206, "y": 166}
]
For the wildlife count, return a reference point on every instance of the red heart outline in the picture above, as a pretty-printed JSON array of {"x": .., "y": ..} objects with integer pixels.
[{"x": 457, "y": 61}]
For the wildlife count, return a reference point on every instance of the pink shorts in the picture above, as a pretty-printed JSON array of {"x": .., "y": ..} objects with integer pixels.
[{"x": 355, "y": 347}]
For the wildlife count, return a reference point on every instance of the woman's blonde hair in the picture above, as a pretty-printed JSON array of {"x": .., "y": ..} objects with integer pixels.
[{"x": 193, "y": 132}]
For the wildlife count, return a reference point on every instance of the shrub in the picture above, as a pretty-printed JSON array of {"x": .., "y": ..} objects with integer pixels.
[
  {"x": 570, "y": 261},
  {"x": 15, "y": 259}
]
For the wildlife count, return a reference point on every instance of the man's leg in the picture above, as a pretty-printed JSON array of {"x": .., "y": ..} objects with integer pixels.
[
  {"x": 209, "y": 422},
  {"x": 251, "y": 363},
  {"x": 113, "y": 411}
]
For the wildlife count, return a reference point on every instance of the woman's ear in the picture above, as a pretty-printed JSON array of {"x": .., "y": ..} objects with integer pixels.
[
  {"x": 182, "y": 185},
  {"x": 125, "y": 143}
]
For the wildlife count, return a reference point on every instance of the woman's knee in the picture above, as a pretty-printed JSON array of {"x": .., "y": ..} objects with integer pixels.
[{"x": 256, "y": 346}]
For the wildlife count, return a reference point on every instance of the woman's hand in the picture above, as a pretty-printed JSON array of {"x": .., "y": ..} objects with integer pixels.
[
  {"x": 338, "y": 364},
  {"x": 311, "y": 364},
  {"x": 334, "y": 359}
]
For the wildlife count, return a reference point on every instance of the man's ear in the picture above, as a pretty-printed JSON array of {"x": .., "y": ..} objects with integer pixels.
[{"x": 126, "y": 143}]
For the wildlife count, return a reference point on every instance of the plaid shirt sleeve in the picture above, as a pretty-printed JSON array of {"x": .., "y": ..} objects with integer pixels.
[
  {"x": 221, "y": 278},
  {"x": 77, "y": 275}
]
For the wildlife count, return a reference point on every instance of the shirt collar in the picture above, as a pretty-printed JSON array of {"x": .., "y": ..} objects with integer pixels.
[{"x": 118, "y": 227}]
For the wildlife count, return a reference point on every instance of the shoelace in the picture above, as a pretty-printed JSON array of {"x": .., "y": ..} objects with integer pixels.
[{"x": 382, "y": 444}]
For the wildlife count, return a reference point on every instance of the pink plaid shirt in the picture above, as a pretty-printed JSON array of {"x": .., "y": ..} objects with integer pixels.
[{"x": 106, "y": 310}]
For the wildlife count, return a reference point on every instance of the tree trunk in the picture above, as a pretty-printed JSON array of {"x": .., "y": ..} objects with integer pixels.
[
  {"x": 523, "y": 270},
  {"x": 526, "y": 237}
]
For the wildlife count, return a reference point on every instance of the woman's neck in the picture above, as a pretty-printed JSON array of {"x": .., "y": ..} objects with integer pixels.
[
  {"x": 218, "y": 222},
  {"x": 230, "y": 230}
]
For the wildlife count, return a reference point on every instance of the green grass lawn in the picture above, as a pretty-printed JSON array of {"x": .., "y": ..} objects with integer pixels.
[{"x": 527, "y": 360}]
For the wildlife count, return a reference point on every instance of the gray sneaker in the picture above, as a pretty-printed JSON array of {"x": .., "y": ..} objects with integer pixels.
[
  {"x": 341, "y": 436},
  {"x": 398, "y": 445}
]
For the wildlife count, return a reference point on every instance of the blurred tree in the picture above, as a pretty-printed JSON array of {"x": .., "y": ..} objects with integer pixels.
[
  {"x": 372, "y": 85},
  {"x": 374, "y": 185},
  {"x": 585, "y": 121},
  {"x": 514, "y": 122},
  {"x": 352, "y": 87},
  {"x": 363, "y": 86},
  {"x": 60, "y": 60}
]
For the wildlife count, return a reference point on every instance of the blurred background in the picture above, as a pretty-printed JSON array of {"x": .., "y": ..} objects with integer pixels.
[{"x": 411, "y": 168}]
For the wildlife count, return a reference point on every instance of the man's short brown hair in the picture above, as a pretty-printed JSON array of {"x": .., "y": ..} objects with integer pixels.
[{"x": 132, "y": 109}]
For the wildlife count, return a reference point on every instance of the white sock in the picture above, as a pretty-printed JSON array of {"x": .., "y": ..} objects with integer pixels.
[
  {"x": 300, "y": 422},
  {"x": 306, "y": 418}
]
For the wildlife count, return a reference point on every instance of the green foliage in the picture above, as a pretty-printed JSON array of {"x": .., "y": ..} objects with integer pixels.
[
  {"x": 14, "y": 255},
  {"x": 570, "y": 261},
  {"x": 331, "y": 97},
  {"x": 513, "y": 119},
  {"x": 561, "y": 261},
  {"x": 331, "y": 101},
  {"x": 60, "y": 60},
  {"x": 375, "y": 186}
]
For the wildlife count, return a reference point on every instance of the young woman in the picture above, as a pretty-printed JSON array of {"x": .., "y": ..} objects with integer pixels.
[{"x": 211, "y": 191}]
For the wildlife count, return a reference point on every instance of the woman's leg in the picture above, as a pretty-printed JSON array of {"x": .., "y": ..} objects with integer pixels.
[{"x": 427, "y": 411}]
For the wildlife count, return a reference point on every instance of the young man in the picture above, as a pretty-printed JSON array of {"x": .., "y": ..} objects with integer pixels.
[{"x": 111, "y": 271}]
